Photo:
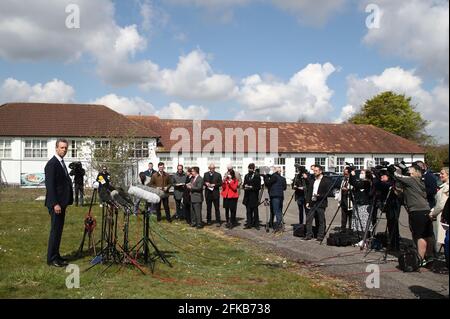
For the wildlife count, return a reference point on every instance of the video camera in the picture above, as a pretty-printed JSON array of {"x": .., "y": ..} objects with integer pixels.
[
  {"x": 350, "y": 166},
  {"x": 263, "y": 170},
  {"x": 76, "y": 168},
  {"x": 300, "y": 169}
]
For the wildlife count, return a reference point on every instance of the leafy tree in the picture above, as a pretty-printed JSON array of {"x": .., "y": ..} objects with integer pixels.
[
  {"x": 437, "y": 156},
  {"x": 393, "y": 113}
]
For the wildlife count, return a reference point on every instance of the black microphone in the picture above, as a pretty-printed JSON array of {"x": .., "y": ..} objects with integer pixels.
[
  {"x": 119, "y": 199},
  {"x": 105, "y": 196}
]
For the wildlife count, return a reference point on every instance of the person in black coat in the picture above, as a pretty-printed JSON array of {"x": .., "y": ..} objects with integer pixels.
[
  {"x": 213, "y": 182},
  {"x": 277, "y": 185},
  {"x": 317, "y": 203},
  {"x": 252, "y": 186},
  {"x": 59, "y": 195}
]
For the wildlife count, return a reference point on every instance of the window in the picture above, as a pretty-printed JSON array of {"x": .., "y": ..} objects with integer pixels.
[
  {"x": 190, "y": 161},
  {"x": 320, "y": 161},
  {"x": 300, "y": 161},
  {"x": 359, "y": 162},
  {"x": 398, "y": 160},
  {"x": 379, "y": 160},
  {"x": 139, "y": 149},
  {"x": 74, "y": 149},
  {"x": 280, "y": 161},
  {"x": 5, "y": 149},
  {"x": 340, "y": 165},
  {"x": 168, "y": 163},
  {"x": 237, "y": 162},
  {"x": 101, "y": 144},
  {"x": 35, "y": 148}
]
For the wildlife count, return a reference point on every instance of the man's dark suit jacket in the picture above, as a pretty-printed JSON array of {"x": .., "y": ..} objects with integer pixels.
[
  {"x": 58, "y": 185},
  {"x": 215, "y": 179},
  {"x": 324, "y": 187}
]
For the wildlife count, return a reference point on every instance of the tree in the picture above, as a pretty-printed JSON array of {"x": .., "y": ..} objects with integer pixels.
[
  {"x": 437, "y": 156},
  {"x": 394, "y": 113}
]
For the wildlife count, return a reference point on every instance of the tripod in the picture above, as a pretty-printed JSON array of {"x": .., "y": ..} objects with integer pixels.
[
  {"x": 89, "y": 226},
  {"x": 145, "y": 243}
]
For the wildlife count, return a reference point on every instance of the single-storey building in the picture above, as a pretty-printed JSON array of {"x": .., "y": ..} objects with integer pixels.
[{"x": 28, "y": 133}]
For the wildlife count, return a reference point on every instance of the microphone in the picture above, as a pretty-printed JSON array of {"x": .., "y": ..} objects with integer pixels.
[
  {"x": 105, "y": 196},
  {"x": 153, "y": 190},
  {"x": 149, "y": 197},
  {"x": 125, "y": 196},
  {"x": 119, "y": 199}
]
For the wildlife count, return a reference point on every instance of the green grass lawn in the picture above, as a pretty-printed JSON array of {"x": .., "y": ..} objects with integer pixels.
[{"x": 206, "y": 264}]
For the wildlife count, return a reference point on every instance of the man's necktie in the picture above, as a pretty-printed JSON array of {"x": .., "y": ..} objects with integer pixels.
[{"x": 65, "y": 168}]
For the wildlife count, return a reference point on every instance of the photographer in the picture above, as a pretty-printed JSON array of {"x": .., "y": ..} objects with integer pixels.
[
  {"x": 416, "y": 203},
  {"x": 78, "y": 172},
  {"x": 388, "y": 202},
  {"x": 277, "y": 185},
  {"x": 362, "y": 187},
  {"x": 345, "y": 200},
  {"x": 300, "y": 186}
]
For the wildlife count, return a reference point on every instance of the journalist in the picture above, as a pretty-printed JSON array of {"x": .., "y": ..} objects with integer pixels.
[
  {"x": 78, "y": 172},
  {"x": 416, "y": 203},
  {"x": 277, "y": 185},
  {"x": 179, "y": 182},
  {"x": 300, "y": 186}
]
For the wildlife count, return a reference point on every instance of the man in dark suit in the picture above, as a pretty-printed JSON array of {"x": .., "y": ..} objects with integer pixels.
[
  {"x": 213, "y": 181},
  {"x": 59, "y": 195},
  {"x": 196, "y": 191},
  {"x": 252, "y": 185},
  {"x": 317, "y": 202},
  {"x": 149, "y": 173}
]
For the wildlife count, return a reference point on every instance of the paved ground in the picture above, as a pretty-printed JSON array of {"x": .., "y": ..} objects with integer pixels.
[{"x": 346, "y": 262}]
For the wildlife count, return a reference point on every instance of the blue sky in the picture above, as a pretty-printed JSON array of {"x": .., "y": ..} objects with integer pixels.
[{"x": 240, "y": 57}]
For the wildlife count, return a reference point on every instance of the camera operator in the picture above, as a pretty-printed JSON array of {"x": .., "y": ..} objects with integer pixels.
[
  {"x": 416, "y": 203},
  {"x": 277, "y": 185},
  {"x": 78, "y": 172},
  {"x": 317, "y": 203},
  {"x": 252, "y": 185},
  {"x": 345, "y": 200},
  {"x": 384, "y": 186},
  {"x": 300, "y": 186},
  {"x": 362, "y": 187}
]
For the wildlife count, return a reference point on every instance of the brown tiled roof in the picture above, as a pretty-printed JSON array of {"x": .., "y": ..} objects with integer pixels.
[
  {"x": 296, "y": 137},
  {"x": 67, "y": 120}
]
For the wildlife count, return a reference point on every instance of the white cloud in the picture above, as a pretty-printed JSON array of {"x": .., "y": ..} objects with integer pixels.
[
  {"x": 433, "y": 105},
  {"x": 152, "y": 16},
  {"x": 124, "y": 105},
  {"x": 193, "y": 78},
  {"x": 311, "y": 12},
  {"x": 176, "y": 111},
  {"x": 55, "y": 91},
  {"x": 417, "y": 30},
  {"x": 305, "y": 95}
]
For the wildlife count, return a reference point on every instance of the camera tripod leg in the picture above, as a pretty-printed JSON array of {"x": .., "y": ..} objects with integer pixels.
[
  {"x": 80, "y": 249},
  {"x": 331, "y": 223}
]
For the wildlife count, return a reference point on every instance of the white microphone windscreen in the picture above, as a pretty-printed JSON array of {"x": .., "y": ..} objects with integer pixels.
[{"x": 145, "y": 195}]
